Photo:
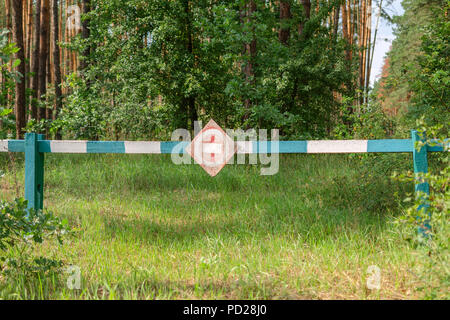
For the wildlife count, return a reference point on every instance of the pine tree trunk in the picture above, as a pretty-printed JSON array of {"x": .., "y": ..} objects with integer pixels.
[
  {"x": 17, "y": 12},
  {"x": 9, "y": 27},
  {"x": 362, "y": 46},
  {"x": 8, "y": 15},
  {"x": 29, "y": 40},
  {"x": 285, "y": 14},
  {"x": 62, "y": 39},
  {"x": 336, "y": 22},
  {"x": 250, "y": 50},
  {"x": 43, "y": 55},
  {"x": 35, "y": 61},
  {"x": 369, "y": 44},
  {"x": 56, "y": 62},
  {"x": 66, "y": 51},
  {"x": 24, "y": 29},
  {"x": 189, "y": 102},
  {"x": 344, "y": 27},
  {"x": 350, "y": 24},
  {"x": 307, "y": 11}
]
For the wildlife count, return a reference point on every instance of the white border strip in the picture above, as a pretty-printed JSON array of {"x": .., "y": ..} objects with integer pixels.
[
  {"x": 66, "y": 146},
  {"x": 337, "y": 146},
  {"x": 142, "y": 147},
  {"x": 3, "y": 145}
]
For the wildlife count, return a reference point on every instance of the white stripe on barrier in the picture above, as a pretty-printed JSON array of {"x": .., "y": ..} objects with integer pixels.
[
  {"x": 3, "y": 145},
  {"x": 142, "y": 147},
  {"x": 76, "y": 146},
  {"x": 244, "y": 146},
  {"x": 337, "y": 146}
]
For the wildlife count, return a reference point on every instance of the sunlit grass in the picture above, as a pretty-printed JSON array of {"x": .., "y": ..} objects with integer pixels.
[{"x": 148, "y": 229}]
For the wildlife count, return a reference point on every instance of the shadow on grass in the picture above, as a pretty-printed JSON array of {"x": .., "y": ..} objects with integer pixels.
[{"x": 306, "y": 224}]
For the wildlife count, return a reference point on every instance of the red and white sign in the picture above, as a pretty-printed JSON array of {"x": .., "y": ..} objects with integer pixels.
[{"x": 212, "y": 148}]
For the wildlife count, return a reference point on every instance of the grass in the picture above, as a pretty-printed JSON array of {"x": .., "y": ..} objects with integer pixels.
[{"x": 148, "y": 229}]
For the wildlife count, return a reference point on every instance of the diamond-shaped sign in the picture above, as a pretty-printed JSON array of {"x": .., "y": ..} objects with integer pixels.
[{"x": 212, "y": 148}]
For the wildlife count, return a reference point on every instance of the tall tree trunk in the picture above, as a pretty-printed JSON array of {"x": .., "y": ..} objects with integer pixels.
[
  {"x": 336, "y": 22},
  {"x": 285, "y": 14},
  {"x": 307, "y": 11},
  {"x": 351, "y": 17},
  {"x": 43, "y": 55},
  {"x": 49, "y": 76},
  {"x": 362, "y": 46},
  {"x": 8, "y": 16},
  {"x": 17, "y": 12},
  {"x": 369, "y": 45},
  {"x": 347, "y": 33},
  {"x": 56, "y": 63},
  {"x": 60, "y": 37},
  {"x": 190, "y": 101},
  {"x": 29, "y": 38},
  {"x": 250, "y": 50},
  {"x": 35, "y": 61},
  {"x": 24, "y": 30},
  {"x": 9, "y": 27},
  {"x": 65, "y": 50}
]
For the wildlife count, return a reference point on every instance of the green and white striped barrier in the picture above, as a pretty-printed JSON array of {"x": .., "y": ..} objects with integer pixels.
[{"x": 34, "y": 146}]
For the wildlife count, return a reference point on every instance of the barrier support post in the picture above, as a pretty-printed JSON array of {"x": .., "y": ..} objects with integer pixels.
[
  {"x": 422, "y": 188},
  {"x": 34, "y": 172}
]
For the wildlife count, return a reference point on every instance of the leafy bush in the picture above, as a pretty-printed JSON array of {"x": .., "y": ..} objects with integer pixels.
[
  {"x": 19, "y": 229},
  {"x": 19, "y": 225},
  {"x": 7, "y": 92},
  {"x": 427, "y": 226},
  {"x": 430, "y": 78}
]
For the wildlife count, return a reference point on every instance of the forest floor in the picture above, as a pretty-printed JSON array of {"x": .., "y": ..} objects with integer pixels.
[{"x": 145, "y": 228}]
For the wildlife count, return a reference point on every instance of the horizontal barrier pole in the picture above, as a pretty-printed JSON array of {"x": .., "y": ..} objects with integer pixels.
[
  {"x": 243, "y": 147},
  {"x": 12, "y": 146}
]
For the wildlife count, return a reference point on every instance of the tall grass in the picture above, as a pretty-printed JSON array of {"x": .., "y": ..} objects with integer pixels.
[{"x": 148, "y": 229}]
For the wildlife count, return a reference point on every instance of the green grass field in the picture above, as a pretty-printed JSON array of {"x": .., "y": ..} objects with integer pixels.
[{"x": 145, "y": 228}]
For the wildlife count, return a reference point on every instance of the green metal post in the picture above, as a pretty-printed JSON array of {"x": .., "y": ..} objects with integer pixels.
[
  {"x": 421, "y": 166},
  {"x": 34, "y": 171}
]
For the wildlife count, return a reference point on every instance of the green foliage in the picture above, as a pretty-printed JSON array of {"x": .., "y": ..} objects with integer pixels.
[
  {"x": 158, "y": 65},
  {"x": 430, "y": 82},
  {"x": 7, "y": 50},
  {"x": 401, "y": 59},
  {"x": 369, "y": 188},
  {"x": 428, "y": 226},
  {"x": 19, "y": 225},
  {"x": 19, "y": 229},
  {"x": 417, "y": 81},
  {"x": 370, "y": 123},
  {"x": 30, "y": 268}
]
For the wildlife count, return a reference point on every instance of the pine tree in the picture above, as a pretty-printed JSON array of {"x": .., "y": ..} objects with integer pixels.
[
  {"x": 43, "y": 54},
  {"x": 56, "y": 61},
  {"x": 17, "y": 24},
  {"x": 35, "y": 61}
]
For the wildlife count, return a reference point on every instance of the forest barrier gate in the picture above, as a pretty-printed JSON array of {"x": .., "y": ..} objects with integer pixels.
[{"x": 35, "y": 147}]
